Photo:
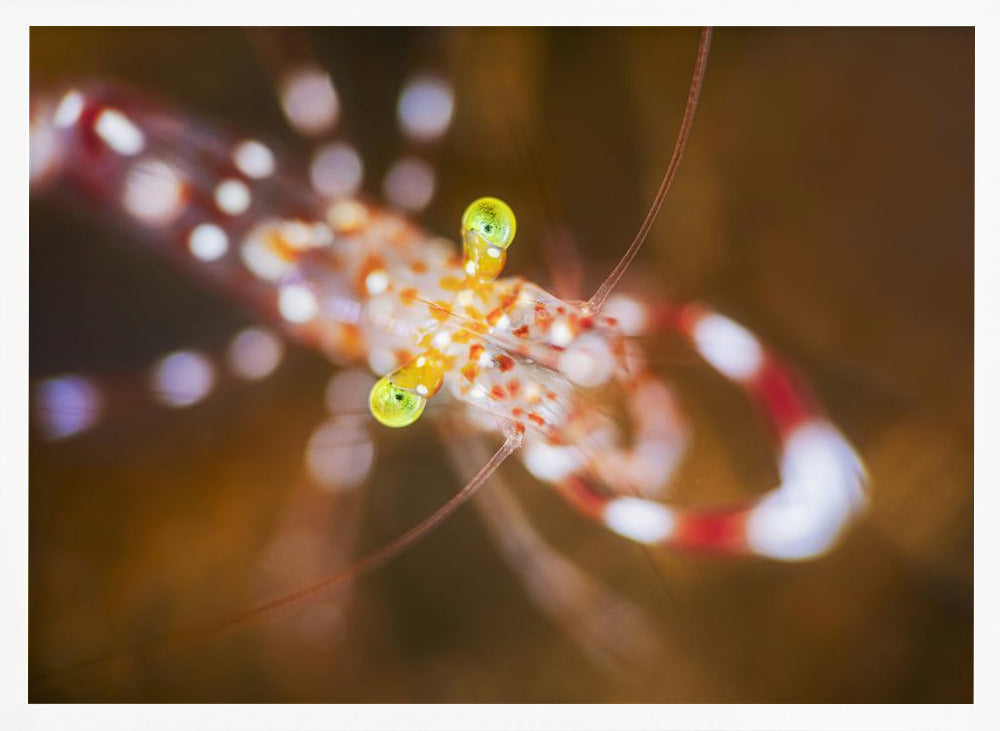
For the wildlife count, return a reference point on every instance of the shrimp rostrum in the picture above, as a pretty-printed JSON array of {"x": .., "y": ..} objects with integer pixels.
[{"x": 564, "y": 382}]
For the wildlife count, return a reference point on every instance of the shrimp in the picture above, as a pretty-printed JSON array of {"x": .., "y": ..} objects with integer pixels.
[{"x": 564, "y": 382}]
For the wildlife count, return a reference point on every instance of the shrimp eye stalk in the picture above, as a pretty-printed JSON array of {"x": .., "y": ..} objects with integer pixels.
[
  {"x": 398, "y": 399},
  {"x": 488, "y": 228}
]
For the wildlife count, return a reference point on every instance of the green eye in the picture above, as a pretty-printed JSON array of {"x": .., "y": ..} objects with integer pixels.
[
  {"x": 395, "y": 406},
  {"x": 492, "y": 219}
]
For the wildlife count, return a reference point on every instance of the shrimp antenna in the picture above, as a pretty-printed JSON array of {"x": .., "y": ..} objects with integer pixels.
[
  {"x": 173, "y": 644},
  {"x": 595, "y": 303}
]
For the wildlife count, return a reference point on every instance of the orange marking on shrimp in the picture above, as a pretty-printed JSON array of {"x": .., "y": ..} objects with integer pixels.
[
  {"x": 497, "y": 393},
  {"x": 513, "y": 385},
  {"x": 451, "y": 284},
  {"x": 521, "y": 332},
  {"x": 440, "y": 310},
  {"x": 519, "y": 426},
  {"x": 536, "y": 418},
  {"x": 418, "y": 267},
  {"x": 408, "y": 296},
  {"x": 494, "y": 315},
  {"x": 470, "y": 371},
  {"x": 517, "y": 411},
  {"x": 551, "y": 395},
  {"x": 403, "y": 355},
  {"x": 504, "y": 362}
]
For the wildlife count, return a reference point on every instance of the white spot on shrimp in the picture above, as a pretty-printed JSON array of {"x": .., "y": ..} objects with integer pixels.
[
  {"x": 208, "y": 242},
  {"x": 409, "y": 184},
  {"x": 182, "y": 378},
  {"x": 297, "y": 303},
  {"x": 310, "y": 101},
  {"x": 254, "y": 353},
  {"x": 43, "y": 151},
  {"x": 232, "y": 196},
  {"x": 587, "y": 361},
  {"x": 549, "y": 462},
  {"x": 119, "y": 132},
  {"x": 821, "y": 488},
  {"x": 69, "y": 109},
  {"x": 640, "y": 520},
  {"x": 561, "y": 333},
  {"x": 425, "y": 108},
  {"x": 630, "y": 314},
  {"x": 153, "y": 192},
  {"x": 67, "y": 405},
  {"x": 376, "y": 282},
  {"x": 336, "y": 170},
  {"x": 729, "y": 348},
  {"x": 254, "y": 159}
]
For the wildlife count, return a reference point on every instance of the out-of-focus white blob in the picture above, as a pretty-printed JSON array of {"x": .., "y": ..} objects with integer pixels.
[
  {"x": 254, "y": 159},
  {"x": 425, "y": 108},
  {"x": 347, "y": 216},
  {"x": 232, "y": 196},
  {"x": 310, "y": 101},
  {"x": 182, "y": 378},
  {"x": 43, "y": 150},
  {"x": 729, "y": 348},
  {"x": 821, "y": 489},
  {"x": 340, "y": 453},
  {"x": 382, "y": 360},
  {"x": 297, "y": 303},
  {"x": 119, "y": 132},
  {"x": 641, "y": 520},
  {"x": 254, "y": 353},
  {"x": 409, "y": 184},
  {"x": 153, "y": 192},
  {"x": 377, "y": 281},
  {"x": 336, "y": 170},
  {"x": 588, "y": 361},
  {"x": 69, "y": 109},
  {"x": 67, "y": 405},
  {"x": 549, "y": 462},
  {"x": 348, "y": 390},
  {"x": 630, "y": 314},
  {"x": 261, "y": 256},
  {"x": 208, "y": 242}
]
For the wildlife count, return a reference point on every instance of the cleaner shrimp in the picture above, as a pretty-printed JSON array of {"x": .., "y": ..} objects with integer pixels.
[{"x": 562, "y": 383}]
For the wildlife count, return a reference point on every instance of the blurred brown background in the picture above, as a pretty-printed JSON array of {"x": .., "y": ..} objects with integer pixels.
[{"x": 825, "y": 201}]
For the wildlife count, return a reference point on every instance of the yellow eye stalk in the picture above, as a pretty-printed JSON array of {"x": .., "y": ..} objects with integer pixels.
[
  {"x": 488, "y": 228},
  {"x": 398, "y": 399}
]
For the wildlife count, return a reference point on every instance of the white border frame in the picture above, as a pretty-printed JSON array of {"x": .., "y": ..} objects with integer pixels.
[{"x": 15, "y": 19}]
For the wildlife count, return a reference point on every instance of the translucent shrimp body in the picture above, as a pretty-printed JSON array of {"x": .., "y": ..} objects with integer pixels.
[{"x": 361, "y": 283}]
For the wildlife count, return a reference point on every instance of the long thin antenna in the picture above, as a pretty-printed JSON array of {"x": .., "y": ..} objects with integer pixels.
[
  {"x": 595, "y": 303},
  {"x": 173, "y": 644}
]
